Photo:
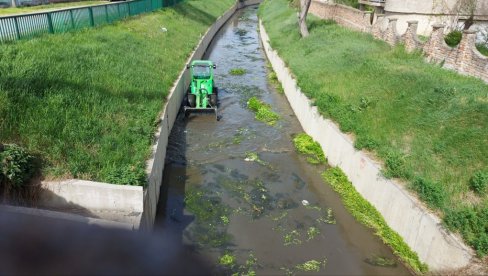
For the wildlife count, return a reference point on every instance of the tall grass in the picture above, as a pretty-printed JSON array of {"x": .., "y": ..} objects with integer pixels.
[
  {"x": 429, "y": 125},
  {"x": 88, "y": 101}
]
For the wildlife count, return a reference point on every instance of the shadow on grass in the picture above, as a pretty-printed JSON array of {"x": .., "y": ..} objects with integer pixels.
[
  {"x": 314, "y": 24},
  {"x": 195, "y": 14}
]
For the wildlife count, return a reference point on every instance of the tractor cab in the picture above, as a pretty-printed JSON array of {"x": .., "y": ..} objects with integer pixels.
[{"x": 201, "y": 93}]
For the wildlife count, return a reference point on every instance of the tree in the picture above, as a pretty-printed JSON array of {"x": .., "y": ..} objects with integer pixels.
[
  {"x": 13, "y": 3},
  {"x": 302, "y": 17}
]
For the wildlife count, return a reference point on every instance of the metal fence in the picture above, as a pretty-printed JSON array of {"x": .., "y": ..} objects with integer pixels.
[{"x": 59, "y": 21}]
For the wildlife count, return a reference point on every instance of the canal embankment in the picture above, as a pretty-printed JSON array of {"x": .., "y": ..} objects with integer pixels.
[{"x": 326, "y": 78}]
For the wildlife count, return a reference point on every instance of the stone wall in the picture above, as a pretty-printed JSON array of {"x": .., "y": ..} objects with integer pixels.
[
  {"x": 464, "y": 58},
  {"x": 344, "y": 15}
]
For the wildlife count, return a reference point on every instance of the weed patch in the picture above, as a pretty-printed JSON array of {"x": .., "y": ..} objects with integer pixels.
[
  {"x": 366, "y": 214},
  {"x": 16, "y": 165},
  {"x": 479, "y": 182},
  {"x": 263, "y": 111},
  {"x": 308, "y": 147},
  {"x": 237, "y": 72}
]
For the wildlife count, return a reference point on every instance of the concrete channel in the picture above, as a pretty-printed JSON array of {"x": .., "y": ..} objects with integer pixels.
[{"x": 237, "y": 194}]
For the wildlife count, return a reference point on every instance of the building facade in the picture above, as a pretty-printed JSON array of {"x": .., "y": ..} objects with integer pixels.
[{"x": 452, "y": 13}]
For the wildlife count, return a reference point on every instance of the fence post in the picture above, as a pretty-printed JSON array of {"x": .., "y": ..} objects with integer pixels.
[
  {"x": 50, "y": 23},
  {"x": 90, "y": 12},
  {"x": 72, "y": 19},
  {"x": 16, "y": 23},
  {"x": 118, "y": 10},
  {"x": 128, "y": 8},
  {"x": 106, "y": 13}
]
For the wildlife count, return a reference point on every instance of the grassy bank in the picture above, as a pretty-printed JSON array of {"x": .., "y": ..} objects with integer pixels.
[
  {"x": 427, "y": 124},
  {"x": 87, "y": 102},
  {"x": 48, "y": 7}
]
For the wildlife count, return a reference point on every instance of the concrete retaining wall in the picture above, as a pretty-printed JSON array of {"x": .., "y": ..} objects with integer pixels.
[
  {"x": 420, "y": 229},
  {"x": 129, "y": 204}
]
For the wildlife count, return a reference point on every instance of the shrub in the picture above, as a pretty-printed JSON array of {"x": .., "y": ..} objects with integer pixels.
[
  {"x": 128, "y": 175},
  {"x": 471, "y": 222},
  {"x": 430, "y": 192},
  {"x": 479, "y": 181},
  {"x": 16, "y": 166},
  {"x": 453, "y": 38},
  {"x": 395, "y": 165}
]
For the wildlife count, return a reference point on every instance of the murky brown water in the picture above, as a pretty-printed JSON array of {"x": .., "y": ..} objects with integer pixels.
[{"x": 271, "y": 217}]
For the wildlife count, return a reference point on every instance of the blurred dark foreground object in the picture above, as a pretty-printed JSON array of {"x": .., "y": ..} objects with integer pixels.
[{"x": 40, "y": 245}]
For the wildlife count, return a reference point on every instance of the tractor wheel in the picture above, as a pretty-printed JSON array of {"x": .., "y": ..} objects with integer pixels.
[
  {"x": 213, "y": 100},
  {"x": 192, "y": 100}
]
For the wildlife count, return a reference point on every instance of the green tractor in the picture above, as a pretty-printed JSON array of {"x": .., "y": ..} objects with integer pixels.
[{"x": 202, "y": 95}]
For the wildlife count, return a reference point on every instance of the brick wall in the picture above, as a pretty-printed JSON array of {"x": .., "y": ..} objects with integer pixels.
[
  {"x": 343, "y": 15},
  {"x": 464, "y": 58}
]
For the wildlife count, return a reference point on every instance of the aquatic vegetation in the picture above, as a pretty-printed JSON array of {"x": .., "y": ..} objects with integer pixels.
[
  {"x": 367, "y": 214},
  {"x": 254, "y": 198},
  {"x": 381, "y": 261},
  {"x": 263, "y": 111},
  {"x": 312, "y": 265},
  {"x": 241, "y": 32},
  {"x": 227, "y": 260},
  {"x": 254, "y": 157},
  {"x": 307, "y": 146},
  {"x": 237, "y": 71},
  {"x": 312, "y": 232},
  {"x": 280, "y": 217},
  {"x": 292, "y": 238},
  {"x": 209, "y": 228},
  {"x": 273, "y": 79}
]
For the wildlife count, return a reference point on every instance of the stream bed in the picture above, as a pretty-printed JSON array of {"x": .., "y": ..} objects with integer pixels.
[{"x": 237, "y": 194}]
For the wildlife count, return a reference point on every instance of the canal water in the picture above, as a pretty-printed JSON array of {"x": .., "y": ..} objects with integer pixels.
[{"x": 236, "y": 193}]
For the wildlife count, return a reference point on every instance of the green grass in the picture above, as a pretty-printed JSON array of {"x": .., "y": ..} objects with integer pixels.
[
  {"x": 48, "y": 7},
  {"x": 366, "y": 214},
  {"x": 427, "y": 124},
  {"x": 87, "y": 102},
  {"x": 352, "y": 3}
]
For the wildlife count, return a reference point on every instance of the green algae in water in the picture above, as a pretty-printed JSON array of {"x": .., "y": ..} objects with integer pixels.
[
  {"x": 237, "y": 71},
  {"x": 248, "y": 268},
  {"x": 312, "y": 265},
  {"x": 312, "y": 232},
  {"x": 254, "y": 198},
  {"x": 227, "y": 260},
  {"x": 208, "y": 229},
  {"x": 381, "y": 261},
  {"x": 308, "y": 266},
  {"x": 254, "y": 157},
  {"x": 263, "y": 111},
  {"x": 310, "y": 148},
  {"x": 292, "y": 238}
]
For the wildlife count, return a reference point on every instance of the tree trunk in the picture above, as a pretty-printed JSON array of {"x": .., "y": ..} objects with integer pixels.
[
  {"x": 302, "y": 17},
  {"x": 13, "y": 4}
]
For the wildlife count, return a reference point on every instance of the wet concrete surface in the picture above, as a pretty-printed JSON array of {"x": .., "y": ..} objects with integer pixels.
[{"x": 274, "y": 215}]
